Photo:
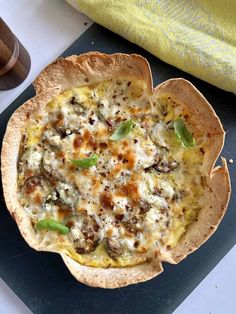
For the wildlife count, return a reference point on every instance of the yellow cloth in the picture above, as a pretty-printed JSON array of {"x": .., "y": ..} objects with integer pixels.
[{"x": 196, "y": 36}]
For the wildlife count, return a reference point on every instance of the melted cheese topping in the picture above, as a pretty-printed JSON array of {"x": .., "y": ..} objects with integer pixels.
[{"x": 140, "y": 196}]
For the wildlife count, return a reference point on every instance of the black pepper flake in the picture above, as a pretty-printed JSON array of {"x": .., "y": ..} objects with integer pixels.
[
  {"x": 109, "y": 122},
  {"x": 70, "y": 224},
  {"x": 119, "y": 157},
  {"x": 162, "y": 210},
  {"x": 103, "y": 145},
  {"x": 80, "y": 250},
  {"x": 86, "y": 80},
  {"x": 135, "y": 141},
  {"x": 119, "y": 217},
  {"x": 125, "y": 161},
  {"x": 202, "y": 150},
  {"x": 157, "y": 191},
  {"x": 118, "y": 111},
  {"x": 91, "y": 121},
  {"x": 136, "y": 244},
  {"x": 128, "y": 84},
  {"x": 73, "y": 100},
  {"x": 96, "y": 227},
  {"x": 114, "y": 96},
  {"x": 118, "y": 119},
  {"x": 144, "y": 207},
  {"x": 100, "y": 104},
  {"x": 85, "y": 23}
]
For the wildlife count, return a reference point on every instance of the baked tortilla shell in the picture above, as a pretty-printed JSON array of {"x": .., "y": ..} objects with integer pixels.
[{"x": 91, "y": 68}]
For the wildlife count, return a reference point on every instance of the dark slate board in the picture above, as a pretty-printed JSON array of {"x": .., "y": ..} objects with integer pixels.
[{"x": 43, "y": 282}]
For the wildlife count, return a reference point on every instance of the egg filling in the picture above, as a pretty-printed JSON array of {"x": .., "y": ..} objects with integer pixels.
[{"x": 105, "y": 176}]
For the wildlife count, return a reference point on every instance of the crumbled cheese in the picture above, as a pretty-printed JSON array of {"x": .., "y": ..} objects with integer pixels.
[
  {"x": 158, "y": 134},
  {"x": 156, "y": 200},
  {"x": 145, "y": 154},
  {"x": 77, "y": 234},
  {"x": 71, "y": 119},
  {"x": 152, "y": 217},
  {"x": 67, "y": 193},
  {"x": 106, "y": 108},
  {"x": 148, "y": 180},
  {"x": 127, "y": 243},
  {"x": 165, "y": 188},
  {"x": 53, "y": 137},
  {"x": 49, "y": 207},
  {"x": 34, "y": 159},
  {"x": 119, "y": 203},
  {"x": 51, "y": 161},
  {"x": 146, "y": 187}
]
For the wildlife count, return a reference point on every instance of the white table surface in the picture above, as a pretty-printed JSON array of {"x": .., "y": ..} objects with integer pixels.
[{"x": 46, "y": 28}]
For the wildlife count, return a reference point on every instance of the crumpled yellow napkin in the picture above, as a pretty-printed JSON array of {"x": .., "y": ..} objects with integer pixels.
[{"x": 196, "y": 36}]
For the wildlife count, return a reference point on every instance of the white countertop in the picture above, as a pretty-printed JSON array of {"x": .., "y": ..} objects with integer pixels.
[{"x": 46, "y": 28}]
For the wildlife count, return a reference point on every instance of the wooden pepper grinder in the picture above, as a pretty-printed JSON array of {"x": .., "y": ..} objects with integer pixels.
[{"x": 14, "y": 59}]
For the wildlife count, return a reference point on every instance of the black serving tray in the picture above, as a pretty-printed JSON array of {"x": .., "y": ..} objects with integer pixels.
[{"x": 43, "y": 282}]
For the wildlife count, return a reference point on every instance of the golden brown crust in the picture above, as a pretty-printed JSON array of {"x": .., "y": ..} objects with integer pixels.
[
  {"x": 216, "y": 197},
  {"x": 110, "y": 278},
  {"x": 216, "y": 200},
  {"x": 90, "y": 68},
  {"x": 9, "y": 158},
  {"x": 202, "y": 116}
]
